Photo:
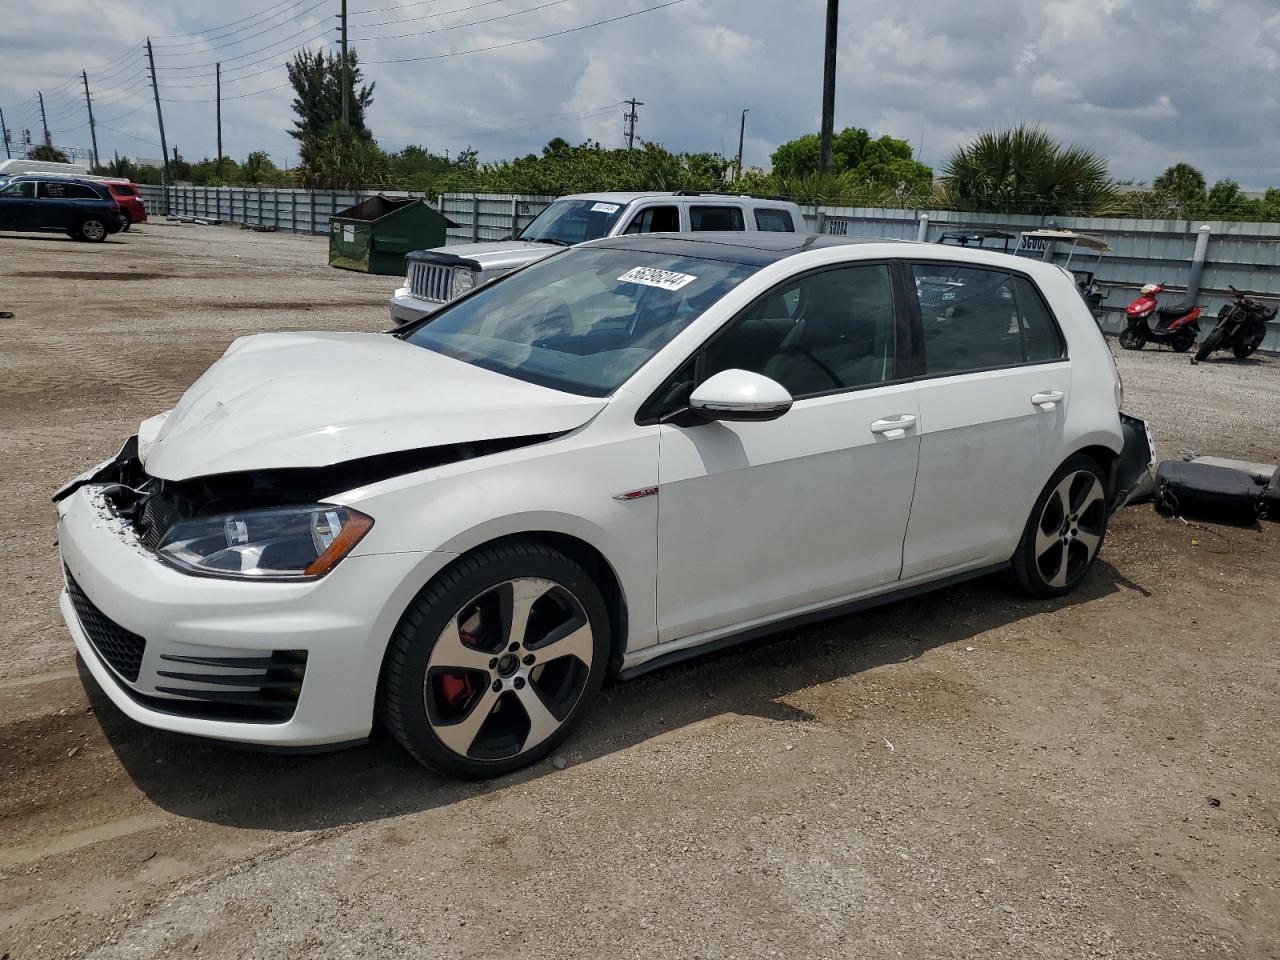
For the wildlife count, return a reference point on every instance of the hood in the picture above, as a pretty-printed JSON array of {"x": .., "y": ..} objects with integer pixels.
[
  {"x": 314, "y": 399},
  {"x": 500, "y": 256}
]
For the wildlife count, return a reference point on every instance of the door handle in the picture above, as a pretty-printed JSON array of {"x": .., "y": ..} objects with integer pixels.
[
  {"x": 1049, "y": 399},
  {"x": 894, "y": 428}
]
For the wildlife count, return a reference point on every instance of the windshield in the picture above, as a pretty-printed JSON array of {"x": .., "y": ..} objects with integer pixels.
[
  {"x": 582, "y": 321},
  {"x": 567, "y": 222}
]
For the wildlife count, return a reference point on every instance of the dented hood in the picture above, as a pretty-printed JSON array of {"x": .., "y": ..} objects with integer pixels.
[{"x": 313, "y": 399}]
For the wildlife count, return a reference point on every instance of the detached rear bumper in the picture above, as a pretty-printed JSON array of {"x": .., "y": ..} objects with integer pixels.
[{"x": 1132, "y": 480}]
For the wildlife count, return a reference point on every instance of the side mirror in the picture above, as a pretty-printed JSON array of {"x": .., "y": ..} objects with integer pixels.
[{"x": 740, "y": 395}]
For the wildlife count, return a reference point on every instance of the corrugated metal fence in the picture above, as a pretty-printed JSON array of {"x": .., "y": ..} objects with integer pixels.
[{"x": 1244, "y": 255}]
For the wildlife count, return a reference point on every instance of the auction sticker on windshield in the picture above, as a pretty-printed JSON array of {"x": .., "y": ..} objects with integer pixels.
[
  {"x": 653, "y": 277},
  {"x": 605, "y": 208}
]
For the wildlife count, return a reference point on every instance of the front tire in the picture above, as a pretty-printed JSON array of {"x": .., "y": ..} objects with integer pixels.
[
  {"x": 1064, "y": 532},
  {"x": 125, "y": 228},
  {"x": 1183, "y": 340},
  {"x": 496, "y": 661},
  {"x": 1210, "y": 343},
  {"x": 92, "y": 229},
  {"x": 1132, "y": 338}
]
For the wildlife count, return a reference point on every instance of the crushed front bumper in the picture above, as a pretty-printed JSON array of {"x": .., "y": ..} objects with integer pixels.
[{"x": 274, "y": 664}]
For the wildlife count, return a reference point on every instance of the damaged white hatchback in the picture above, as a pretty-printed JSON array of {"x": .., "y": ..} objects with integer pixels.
[{"x": 624, "y": 454}]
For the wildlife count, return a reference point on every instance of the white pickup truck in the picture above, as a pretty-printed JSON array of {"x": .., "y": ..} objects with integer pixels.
[{"x": 434, "y": 277}]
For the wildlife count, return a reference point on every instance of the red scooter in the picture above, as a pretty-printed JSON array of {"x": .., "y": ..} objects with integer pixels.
[{"x": 1145, "y": 319}]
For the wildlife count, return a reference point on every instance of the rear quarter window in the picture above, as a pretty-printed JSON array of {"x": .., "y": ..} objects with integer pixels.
[
  {"x": 716, "y": 219},
  {"x": 775, "y": 221},
  {"x": 122, "y": 189}
]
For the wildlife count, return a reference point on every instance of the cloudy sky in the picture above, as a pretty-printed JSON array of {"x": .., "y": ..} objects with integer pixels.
[{"x": 1146, "y": 82}]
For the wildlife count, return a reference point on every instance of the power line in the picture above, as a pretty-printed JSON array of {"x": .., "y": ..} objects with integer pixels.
[
  {"x": 220, "y": 46},
  {"x": 545, "y": 36},
  {"x": 459, "y": 26},
  {"x": 209, "y": 36},
  {"x": 427, "y": 16},
  {"x": 176, "y": 36}
]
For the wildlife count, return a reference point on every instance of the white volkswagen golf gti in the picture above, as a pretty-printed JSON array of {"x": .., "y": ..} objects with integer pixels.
[{"x": 624, "y": 454}]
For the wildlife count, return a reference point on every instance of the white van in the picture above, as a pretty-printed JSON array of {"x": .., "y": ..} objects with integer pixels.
[{"x": 11, "y": 168}]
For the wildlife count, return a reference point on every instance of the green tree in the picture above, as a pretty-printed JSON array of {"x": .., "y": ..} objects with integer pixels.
[
  {"x": 1181, "y": 188},
  {"x": 1226, "y": 201},
  {"x": 317, "y": 87},
  {"x": 342, "y": 158},
  {"x": 47, "y": 153},
  {"x": 1025, "y": 170}
]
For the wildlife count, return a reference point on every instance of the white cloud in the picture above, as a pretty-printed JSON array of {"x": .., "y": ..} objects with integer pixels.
[{"x": 1146, "y": 82}]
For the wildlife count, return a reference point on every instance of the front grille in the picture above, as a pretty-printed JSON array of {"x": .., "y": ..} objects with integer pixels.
[
  {"x": 121, "y": 649},
  {"x": 431, "y": 281}
]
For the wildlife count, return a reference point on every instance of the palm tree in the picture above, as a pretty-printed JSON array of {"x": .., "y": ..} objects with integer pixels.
[{"x": 1025, "y": 170}]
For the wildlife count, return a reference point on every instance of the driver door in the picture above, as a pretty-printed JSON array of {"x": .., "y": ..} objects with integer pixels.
[
  {"x": 756, "y": 520},
  {"x": 17, "y": 203}
]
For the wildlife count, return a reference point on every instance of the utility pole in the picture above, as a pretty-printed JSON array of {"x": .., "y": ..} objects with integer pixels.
[
  {"x": 829, "y": 88},
  {"x": 48, "y": 141},
  {"x": 164, "y": 149},
  {"x": 346, "y": 76},
  {"x": 4, "y": 133},
  {"x": 93, "y": 130},
  {"x": 742, "y": 135},
  {"x": 631, "y": 117},
  {"x": 217, "y": 72}
]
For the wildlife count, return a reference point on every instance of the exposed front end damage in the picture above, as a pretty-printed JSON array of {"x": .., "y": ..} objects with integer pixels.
[{"x": 266, "y": 663}]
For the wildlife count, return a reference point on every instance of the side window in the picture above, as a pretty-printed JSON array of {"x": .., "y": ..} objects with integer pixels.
[
  {"x": 716, "y": 218},
  {"x": 969, "y": 316},
  {"x": 23, "y": 188},
  {"x": 977, "y": 319},
  {"x": 78, "y": 191},
  {"x": 655, "y": 220},
  {"x": 828, "y": 331},
  {"x": 52, "y": 190},
  {"x": 774, "y": 221},
  {"x": 1041, "y": 340}
]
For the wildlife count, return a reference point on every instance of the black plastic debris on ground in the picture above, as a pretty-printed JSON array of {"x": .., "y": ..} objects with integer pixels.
[{"x": 1211, "y": 491}]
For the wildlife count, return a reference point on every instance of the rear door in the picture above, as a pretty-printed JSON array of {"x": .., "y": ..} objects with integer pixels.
[
  {"x": 756, "y": 520},
  {"x": 994, "y": 384},
  {"x": 53, "y": 209}
]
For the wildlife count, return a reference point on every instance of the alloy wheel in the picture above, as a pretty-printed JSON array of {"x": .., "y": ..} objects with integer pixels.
[
  {"x": 93, "y": 230},
  {"x": 508, "y": 669},
  {"x": 1070, "y": 528}
]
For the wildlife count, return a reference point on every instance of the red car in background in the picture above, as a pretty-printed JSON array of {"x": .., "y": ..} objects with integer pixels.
[{"x": 131, "y": 204}]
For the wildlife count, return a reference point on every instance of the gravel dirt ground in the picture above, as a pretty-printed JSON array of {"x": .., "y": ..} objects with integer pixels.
[{"x": 965, "y": 775}]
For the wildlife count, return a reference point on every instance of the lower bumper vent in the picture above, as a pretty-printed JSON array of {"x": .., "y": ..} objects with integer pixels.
[{"x": 119, "y": 648}]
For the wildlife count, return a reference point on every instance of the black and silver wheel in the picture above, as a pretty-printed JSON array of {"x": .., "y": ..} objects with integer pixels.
[
  {"x": 125, "y": 228},
  {"x": 496, "y": 661},
  {"x": 92, "y": 229},
  {"x": 1132, "y": 338},
  {"x": 1065, "y": 530}
]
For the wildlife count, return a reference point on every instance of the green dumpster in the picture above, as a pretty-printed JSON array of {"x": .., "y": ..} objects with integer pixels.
[{"x": 375, "y": 234}]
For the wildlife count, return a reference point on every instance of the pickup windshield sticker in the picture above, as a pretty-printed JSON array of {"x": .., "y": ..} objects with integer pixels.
[
  {"x": 605, "y": 208},
  {"x": 653, "y": 277}
]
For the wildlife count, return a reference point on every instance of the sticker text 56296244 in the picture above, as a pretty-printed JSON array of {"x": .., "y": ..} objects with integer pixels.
[{"x": 653, "y": 277}]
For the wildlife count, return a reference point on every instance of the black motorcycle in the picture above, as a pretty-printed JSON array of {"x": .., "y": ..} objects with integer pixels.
[{"x": 1241, "y": 326}]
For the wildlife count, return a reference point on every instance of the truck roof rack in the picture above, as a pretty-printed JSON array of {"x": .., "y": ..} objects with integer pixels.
[{"x": 723, "y": 193}]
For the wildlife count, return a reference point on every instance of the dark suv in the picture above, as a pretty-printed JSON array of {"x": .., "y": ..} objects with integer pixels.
[{"x": 82, "y": 209}]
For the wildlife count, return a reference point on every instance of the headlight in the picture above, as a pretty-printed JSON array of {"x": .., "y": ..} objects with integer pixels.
[
  {"x": 283, "y": 543},
  {"x": 463, "y": 280}
]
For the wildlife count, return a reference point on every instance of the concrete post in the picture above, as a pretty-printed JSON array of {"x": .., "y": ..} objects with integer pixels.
[
  {"x": 922, "y": 231},
  {"x": 1197, "y": 262}
]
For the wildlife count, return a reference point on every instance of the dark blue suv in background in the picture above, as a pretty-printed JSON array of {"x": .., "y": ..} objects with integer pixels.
[{"x": 83, "y": 209}]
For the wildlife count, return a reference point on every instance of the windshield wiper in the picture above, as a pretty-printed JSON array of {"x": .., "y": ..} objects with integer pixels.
[{"x": 552, "y": 240}]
